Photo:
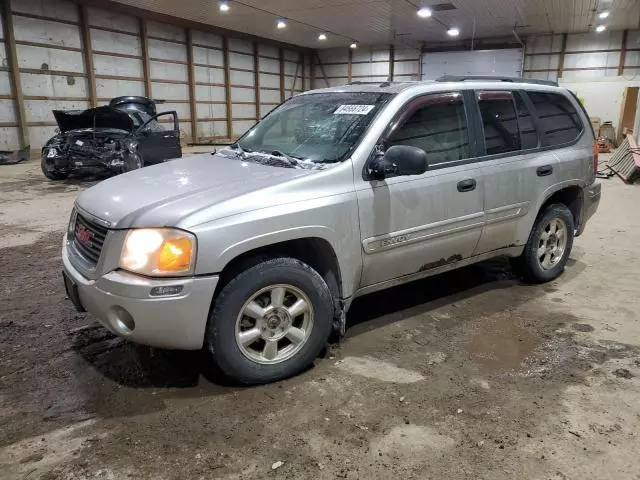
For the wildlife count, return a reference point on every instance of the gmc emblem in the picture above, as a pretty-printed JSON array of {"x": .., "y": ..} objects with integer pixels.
[{"x": 84, "y": 236}]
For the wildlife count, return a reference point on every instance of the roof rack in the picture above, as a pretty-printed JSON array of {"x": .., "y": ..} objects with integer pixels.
[
  {"x": 476, "y": 78},
  {"x": 381, "y": 84}
]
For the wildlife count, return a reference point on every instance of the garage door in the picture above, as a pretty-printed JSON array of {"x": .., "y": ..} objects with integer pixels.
[{"x": 506, "y": 63}]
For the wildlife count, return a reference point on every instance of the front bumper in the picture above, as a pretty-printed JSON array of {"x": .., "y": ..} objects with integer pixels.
[
  {"x": 122, "y": 302},
  {"x": 591, "y": 200}
]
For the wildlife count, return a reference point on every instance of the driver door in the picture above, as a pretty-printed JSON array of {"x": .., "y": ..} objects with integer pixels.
[
  {"x": 157, "y": 141},
  {"x": 413, "y": 224}
]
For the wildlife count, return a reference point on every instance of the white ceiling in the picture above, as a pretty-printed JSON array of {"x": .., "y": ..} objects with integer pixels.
[{"x": 374, "y": 22}]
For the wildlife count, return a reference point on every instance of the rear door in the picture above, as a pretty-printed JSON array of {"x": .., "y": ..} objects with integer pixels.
[
  {"x": 159, "y": 141},
  {"x": 522, "y": 131}
]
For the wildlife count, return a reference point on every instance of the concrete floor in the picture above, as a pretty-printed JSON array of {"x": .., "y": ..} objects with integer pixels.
[{"x": 470, "y": 374}]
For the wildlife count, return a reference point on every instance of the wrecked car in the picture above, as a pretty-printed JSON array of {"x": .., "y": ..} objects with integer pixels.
[{"x": 122, "y": 136}]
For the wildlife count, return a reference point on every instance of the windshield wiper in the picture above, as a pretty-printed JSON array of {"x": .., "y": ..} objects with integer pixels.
[
  {"x": 242, "y": 153},
  {"x": 292, "y": 160}
]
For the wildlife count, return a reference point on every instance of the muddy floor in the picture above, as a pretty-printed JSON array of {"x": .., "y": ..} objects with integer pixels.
[{"x": 470, "y": 374}]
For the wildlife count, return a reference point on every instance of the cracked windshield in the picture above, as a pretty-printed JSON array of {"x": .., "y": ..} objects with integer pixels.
[{"x": 310, "y": 131}]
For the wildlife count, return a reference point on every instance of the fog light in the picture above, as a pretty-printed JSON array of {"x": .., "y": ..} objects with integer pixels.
[
  {"x": 121, "y": 320},
  {"x": 166, "y": 291}
]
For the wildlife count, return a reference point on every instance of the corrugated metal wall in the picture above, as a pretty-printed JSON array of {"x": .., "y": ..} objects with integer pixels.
[
  {"x": 72, "y": 57},
  {"x": 606, "y": 54},
  {"x": 365, "y": 64}
]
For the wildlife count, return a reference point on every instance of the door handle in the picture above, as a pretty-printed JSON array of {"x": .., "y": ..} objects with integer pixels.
[
  {"x": 544, "y": 170},
  {"x": 467, "y": 185}
]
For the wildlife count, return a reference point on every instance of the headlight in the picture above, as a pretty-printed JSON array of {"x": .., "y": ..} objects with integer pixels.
[
  {"x": 159, "y": 252},
  {"x": 72, "y": 223},
  {"x": 52, "y": 152},
  {"x": 131, "y": 146}
]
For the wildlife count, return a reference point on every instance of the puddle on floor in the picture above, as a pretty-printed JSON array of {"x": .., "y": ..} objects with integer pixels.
[{"x": 499, "y": 344}]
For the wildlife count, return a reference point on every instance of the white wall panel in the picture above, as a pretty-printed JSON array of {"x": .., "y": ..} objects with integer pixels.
[
  {"x": 126, "y": 67},
  {"x": 168, "y": 71},
  {"x": 106, "y": 88},
  {"x": 264, "y": 109},
  {"x": 207, "y": 56},
  {"x": 506, "y": 62},
  {"x": 241, "y": 78},
  {"x": 210, "y": 93},
  {"x": 243, "y": 111},
  {"x": 291, "y": 68},
  {"x": 406, "y": 68},
  {"x": 7, "y": 111},
  {"x": 370, "y": 69},
  {"x": 212, "y": 129},
  {"x": 49, "y": 59},
  {"x": 53, "y": 85},
  {"x": 237, "y": 60},
  {"x": 335, "y": 70},
  {"x": 5, "y": 82},
  {"x": 206, "y": 38},
  {"x": 589, "y": 41},
  {"x": 269, "y": 96},
  {"x": 163, "y": 30},
  {"x": 270, "y": 81},
  {"x": 115, "y": 42},
  {"x": 38, "y": 136},
  {"x": 242, "y": 95},
  {"x": 240, "y": 45},
  {"x": 40, "y": 110},
  {"x": 9, "y": 139},
  {"x": 269, "y": 65},
  {"x": 167, "y": 50},
  {"x": 45, "y": 31},
  {"x": 211, "y": 110},
  {"x": 268, "y": 50},
  {"x": 105, "y": 18},
  {"x": 406, "y": 54},
  {"x": 209, "y": 75},
  {"x": 61, "y": 9},
  {"x": 169, "y": 90}
]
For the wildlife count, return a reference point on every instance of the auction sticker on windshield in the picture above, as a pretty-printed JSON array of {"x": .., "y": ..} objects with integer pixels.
[{"x": 353, "y": 109}]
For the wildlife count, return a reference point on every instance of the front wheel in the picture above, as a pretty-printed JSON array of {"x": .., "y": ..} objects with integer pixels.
[
  {"x": 270, "y": 321},
  {"x": 549, "y": 245},
  {"x": 49, "y": 170}
]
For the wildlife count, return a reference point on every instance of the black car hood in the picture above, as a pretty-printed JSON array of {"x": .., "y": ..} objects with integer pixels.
[{"x": 99, "y": 117}]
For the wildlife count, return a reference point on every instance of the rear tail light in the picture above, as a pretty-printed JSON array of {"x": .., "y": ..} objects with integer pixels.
[{"x": 595, "y": 156}]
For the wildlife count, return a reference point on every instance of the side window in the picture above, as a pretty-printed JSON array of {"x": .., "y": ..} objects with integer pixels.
[
  {"x": 558, "y": 119},
  {"x": 500, "y": 122},
  {"x": 439, "y": 127},
  {"x": 528, "y": 133}
]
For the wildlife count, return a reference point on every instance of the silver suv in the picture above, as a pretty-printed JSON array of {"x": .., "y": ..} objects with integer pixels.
[{"x": 255, "y": 253}]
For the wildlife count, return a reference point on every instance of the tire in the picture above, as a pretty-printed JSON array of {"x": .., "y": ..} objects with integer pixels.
[
  {"x": 538, "y": 262},
  {"x": 50, "y": 172},
  {"x": 251, "y": 364}
]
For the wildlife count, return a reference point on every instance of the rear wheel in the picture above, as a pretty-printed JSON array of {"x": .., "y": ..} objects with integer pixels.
[
  {"x": 549, "y": 245},
  {"x": 270, "y": 321},
  {"x": 50, "y": 171}
]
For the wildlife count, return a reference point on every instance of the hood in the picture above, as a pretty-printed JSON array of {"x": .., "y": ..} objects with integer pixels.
[
  {"x": 99, "y": 117},
  {"x": 163, "y": 195}
]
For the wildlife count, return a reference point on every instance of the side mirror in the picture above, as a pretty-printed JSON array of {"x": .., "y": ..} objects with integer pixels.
[{"x": 399, "y": 160}]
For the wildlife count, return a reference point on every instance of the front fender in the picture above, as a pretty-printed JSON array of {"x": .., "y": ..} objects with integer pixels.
[{"x": 335, "y": 220}]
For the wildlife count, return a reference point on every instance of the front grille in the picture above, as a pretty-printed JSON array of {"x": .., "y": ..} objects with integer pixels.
[{"x": 88, "y": 238}]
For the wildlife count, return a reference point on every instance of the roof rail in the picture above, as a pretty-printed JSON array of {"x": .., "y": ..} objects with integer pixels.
[{"x": 476, "y": 78}]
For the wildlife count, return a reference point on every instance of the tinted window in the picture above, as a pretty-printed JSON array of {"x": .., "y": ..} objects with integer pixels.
[
  {"x": 439, "y": 127},
  {"x": 499, "y": 121},
  {"x": 528, "y": 133},
  {"x": 559, "y": 121}
]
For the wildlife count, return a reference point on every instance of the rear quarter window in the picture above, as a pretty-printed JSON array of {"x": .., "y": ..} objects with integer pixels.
[{"x": 559, "y": 120}]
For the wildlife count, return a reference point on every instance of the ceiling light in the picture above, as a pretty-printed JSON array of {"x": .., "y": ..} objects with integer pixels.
[
  {"x": 601, "y": 28},
  {"x": 322, "y": 36},
  {"x": 280, "y": 23},
  {"x": 453, "y": 32},
  {"x": 424, "y": 12},
  {"x": 604, "y": 14},
  {"x": 353, "y": 45},
  {"x": 224, "y": 6}
]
